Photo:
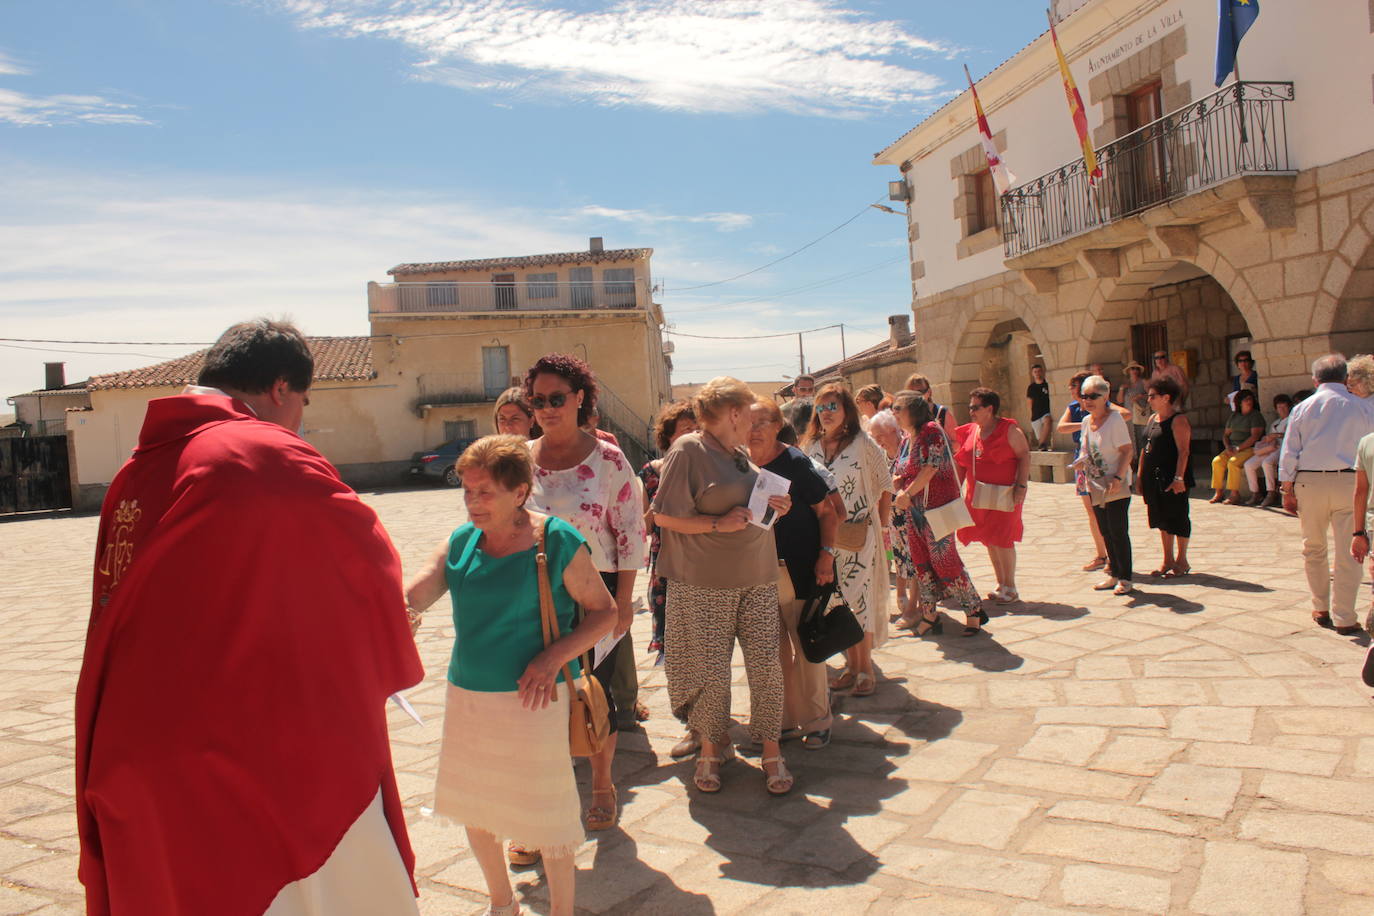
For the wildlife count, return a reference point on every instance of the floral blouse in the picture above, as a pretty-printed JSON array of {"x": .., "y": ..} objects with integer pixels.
[{"x": 601, "y": 499}]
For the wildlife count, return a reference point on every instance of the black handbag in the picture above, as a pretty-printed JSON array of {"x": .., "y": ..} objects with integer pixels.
[{"x": 825, "y": 629}]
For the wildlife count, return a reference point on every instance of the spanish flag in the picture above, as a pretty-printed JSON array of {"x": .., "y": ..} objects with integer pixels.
[{"x": 1080, "y": 115}]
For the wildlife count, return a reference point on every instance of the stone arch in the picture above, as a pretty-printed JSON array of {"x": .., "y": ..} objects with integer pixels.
[
  {"x": 1113, "y": 302},
  {"x": 990, "y": 319},
  {"x": 1203, "y": 302},
  {"x": 1345, "y": 302}
]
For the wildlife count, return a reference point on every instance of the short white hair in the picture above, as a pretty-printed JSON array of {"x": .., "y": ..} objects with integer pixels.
[
  {"x": 1094, "y": 384},
  {"x": 883, "y": 420},
  {"x": 1359, "y": 371}
]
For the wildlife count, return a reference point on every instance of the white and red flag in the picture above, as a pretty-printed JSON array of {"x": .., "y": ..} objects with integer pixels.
[{"x": 1001, "y": 175}]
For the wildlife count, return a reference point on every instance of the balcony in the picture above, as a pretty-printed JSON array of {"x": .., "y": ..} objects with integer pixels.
[
  {"x": 1238, "y": 132},
  {"x": 446, "y": 297},
  {"x": 451, "y": 389}
]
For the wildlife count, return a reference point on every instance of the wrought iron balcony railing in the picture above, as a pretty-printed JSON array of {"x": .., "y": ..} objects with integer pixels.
[
  {"x": 1240, "y": 129},
  {"x": 515, "y": 295}
]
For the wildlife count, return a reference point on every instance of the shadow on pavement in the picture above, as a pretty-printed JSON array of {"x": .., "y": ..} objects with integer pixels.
[
  {"x": 981, "y": 651},
  {"x": 1222, "y": 582},
  {"x": 1178, "y": 605},
  {"x": 1047, "y": 609}
]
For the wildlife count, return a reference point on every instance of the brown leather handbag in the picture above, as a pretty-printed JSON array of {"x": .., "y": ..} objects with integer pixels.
[{"x": 589, "y": 718}]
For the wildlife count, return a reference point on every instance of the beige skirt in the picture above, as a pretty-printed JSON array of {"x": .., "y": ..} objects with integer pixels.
[{"x": 508, "y": 770}]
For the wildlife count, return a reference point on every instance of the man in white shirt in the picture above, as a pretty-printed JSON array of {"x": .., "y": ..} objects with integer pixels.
[{"x": 1317, "y": 477}]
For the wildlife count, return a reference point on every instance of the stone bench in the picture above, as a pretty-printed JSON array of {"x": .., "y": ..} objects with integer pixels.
[{"x": 1051, "y": 466}]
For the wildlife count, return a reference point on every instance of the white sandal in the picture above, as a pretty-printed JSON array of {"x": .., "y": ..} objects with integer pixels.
[{"x": 781, "y": 782}]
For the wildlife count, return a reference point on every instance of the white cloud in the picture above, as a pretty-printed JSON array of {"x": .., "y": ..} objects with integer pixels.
[
  {"x": 46, "y": 111},
  {"x": 725, "y": 222},
  {"x": 167, "y": 260},
  {"x": 803, "y": 56},
  {"x": 9, "y": 66}
]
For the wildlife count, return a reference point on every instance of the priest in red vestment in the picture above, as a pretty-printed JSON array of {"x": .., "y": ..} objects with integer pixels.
[{"x": 247, "y": 626}]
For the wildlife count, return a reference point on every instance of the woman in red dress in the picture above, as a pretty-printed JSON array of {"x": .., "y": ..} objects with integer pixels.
[{"x": 993, "y": 450}]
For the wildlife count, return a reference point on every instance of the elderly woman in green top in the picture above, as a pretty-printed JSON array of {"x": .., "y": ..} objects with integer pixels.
[{"x": 504, "y": 767}]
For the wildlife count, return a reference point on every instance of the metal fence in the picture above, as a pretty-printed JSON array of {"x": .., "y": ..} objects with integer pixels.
[
  {"x": 526, "y": 294},
  {"x": 1238, "y": 130}
]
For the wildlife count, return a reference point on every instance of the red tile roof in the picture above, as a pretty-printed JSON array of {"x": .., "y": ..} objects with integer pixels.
[
  {"x": 529, "y": 260},
  {"x": 336, "y": 358}
]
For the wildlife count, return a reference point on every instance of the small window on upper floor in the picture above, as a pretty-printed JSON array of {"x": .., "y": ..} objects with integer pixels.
[
  {"x": 620, "y": 285},
  {"x": 984, "y": 212}
]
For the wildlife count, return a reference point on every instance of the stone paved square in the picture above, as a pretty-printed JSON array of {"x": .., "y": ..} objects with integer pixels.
[{"x": 1198, "y": 747}]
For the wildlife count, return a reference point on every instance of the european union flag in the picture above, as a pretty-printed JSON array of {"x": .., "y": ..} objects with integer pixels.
[{"x": 1236, "y": 17}]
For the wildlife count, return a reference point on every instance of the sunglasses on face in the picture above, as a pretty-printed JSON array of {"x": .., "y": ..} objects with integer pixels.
[
  {"x": 973, "y": 407},
  {"x": 1161, "y": 356},
  {"x": 555, "y": 400},
  {"x": 827, "y": 407},
  {"x": 1089, "y": 397}
]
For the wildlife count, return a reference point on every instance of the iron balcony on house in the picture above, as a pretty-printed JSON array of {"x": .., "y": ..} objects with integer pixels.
[
  {"x": 1237, "y": 133},
  {"x": 524, "y": 294}
]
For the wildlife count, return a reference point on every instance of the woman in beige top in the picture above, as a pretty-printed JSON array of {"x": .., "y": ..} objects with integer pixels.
[{"x": 722, "y": 584}]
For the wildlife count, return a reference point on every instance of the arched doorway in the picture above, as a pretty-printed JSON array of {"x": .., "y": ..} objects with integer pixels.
[
  {"x": 996, "y": 348},
  {"x": 1186, "y": 311},
  {"x": 1352, "y": 323}
]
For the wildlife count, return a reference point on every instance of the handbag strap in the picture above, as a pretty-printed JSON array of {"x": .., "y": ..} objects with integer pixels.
[
  {"x": 548, "y": 616},
  {"x": 949, "y": 453}
]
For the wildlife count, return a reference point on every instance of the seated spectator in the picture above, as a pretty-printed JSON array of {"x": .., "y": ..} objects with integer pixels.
[
  {"x": 1266, "y": 456},
  {"x": 1243, "y": 430}
]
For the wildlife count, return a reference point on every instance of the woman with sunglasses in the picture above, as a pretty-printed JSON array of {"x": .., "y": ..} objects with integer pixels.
[
  {"x": 1165, "y": 476},
  {"x": 514, "y": 416},
  {"x": 590, "y": 484},
  {"x": 1105, "y": 457},
  {"x": 993, "y": 450},
  {"x": 1072, "y": 422},
  {"x": 864, "y": 478},
  {"x": 722, "y": 574}
]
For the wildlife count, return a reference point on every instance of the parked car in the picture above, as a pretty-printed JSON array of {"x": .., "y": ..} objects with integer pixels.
[{"x": 437, "y": 464}]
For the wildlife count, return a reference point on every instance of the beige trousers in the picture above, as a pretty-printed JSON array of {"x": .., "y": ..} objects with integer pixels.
[
  {"x": 363, "y": 877},
  {"x": 1324, "y": 504},
  {"x": 805, "y": 693}
]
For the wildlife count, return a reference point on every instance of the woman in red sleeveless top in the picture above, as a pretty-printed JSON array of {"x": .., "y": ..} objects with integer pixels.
[{"x": 993, "y": 450}]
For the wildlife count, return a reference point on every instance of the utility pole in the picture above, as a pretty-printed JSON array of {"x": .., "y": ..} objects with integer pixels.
[
  {"x": 843, "y": 356},
  {"x": 801, "y": 356}
]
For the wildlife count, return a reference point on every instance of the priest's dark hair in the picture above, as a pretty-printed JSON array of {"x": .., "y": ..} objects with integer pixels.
[{"x": 252, "y": 355}]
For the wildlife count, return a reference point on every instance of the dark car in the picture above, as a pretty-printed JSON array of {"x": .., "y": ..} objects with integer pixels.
[{"x": 437, "y": 464}]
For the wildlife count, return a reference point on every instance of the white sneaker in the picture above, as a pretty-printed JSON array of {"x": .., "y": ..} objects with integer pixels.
[
  {"x": 1123, "y": 587},
  {"x": 1106, "y": 584}
]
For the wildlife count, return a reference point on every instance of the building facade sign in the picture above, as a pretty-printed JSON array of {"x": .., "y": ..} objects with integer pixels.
[{"x": 1151, "y": 29}]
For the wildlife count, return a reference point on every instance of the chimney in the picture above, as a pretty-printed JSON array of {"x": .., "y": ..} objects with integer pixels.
[
  {"x": 54, "y": 376},
  {"x": 899, "y": 330},
  {"x": 598, "y": 245}
]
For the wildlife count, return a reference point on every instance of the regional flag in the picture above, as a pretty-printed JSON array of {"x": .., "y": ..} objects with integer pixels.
[
  {"x": 1001, "y": 175},
  {"x": 1076, "y": 109},
  {"x": 1234, "y": 19}
]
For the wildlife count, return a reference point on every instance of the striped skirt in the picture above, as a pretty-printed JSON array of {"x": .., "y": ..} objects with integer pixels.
[{"x": 507, "y": 770}]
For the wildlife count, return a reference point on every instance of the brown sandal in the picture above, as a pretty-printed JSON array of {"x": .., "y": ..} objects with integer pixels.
[
  {"x": 521, "y": 857},
  {"x": 602, "y": 817},
  {"x": 1095, "y": 565},
  {"x": 843, "y": 681}
]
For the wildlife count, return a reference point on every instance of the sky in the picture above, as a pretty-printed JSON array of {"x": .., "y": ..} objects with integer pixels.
[{"x": 172, "y": 167}]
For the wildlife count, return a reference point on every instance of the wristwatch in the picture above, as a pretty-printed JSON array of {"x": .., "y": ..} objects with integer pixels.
[
  {"x": 1361, "y": 534},
  {"x": 1180, "y": 480},
  {"x": 829, "y": 550}
]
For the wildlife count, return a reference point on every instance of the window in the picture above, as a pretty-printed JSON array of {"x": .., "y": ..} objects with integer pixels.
[
  {"x": 1144, "y": 105},
  {"x": 985, "y": 202},
  {"x": 459, "y": 429},
  {"x": 583, "y": 287},
  {"x": 620, "y": 285},
  {"x": 1146, "y": 341},
  {"x": 505, "y": 290},
  {"x": 541, "y": 286},
  {"x": 495, "y": 371}
]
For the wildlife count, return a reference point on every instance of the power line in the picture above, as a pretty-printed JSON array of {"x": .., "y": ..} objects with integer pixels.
[
  {"x": 115, "y": 343},
  {"x": 807, "y": 287},
  {"x": 790, "y": 254},
  {"x": 85, "y": 352},
  {"x": 748, "y": 336}
]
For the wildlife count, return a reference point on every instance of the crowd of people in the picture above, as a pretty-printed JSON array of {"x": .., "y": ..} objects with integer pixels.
[{"x": 541, "y": 579}]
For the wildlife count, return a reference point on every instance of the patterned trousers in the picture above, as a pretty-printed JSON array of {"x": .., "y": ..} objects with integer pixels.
[{"x": 702, "y": 626}]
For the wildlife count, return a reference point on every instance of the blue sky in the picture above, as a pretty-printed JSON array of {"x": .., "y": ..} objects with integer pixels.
[{"x": 171, "y": 167}]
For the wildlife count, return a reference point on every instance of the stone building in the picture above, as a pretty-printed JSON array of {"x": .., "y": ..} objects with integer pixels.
[{"x": 1239, "y": 218}]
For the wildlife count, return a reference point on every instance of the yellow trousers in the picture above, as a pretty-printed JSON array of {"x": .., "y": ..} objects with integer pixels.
[{"x": 1230, "y": 469}]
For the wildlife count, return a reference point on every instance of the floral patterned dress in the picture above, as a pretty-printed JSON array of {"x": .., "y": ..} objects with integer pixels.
[
  {"x": 940, "y": 573},
  {"x": 600, "y": 498},
  {"x": 901, "y": 521},
  {"x": 862, "y": 476},
  {"x": 658, "y": 586}
]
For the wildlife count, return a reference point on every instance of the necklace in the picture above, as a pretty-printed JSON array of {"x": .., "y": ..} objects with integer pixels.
[{"x": 741, "y": 463}]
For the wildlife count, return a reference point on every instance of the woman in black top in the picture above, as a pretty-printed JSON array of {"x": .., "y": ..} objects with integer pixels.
[
  {"x": 1165, "y": 476},
  {"x": 806, "y": 559}
]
